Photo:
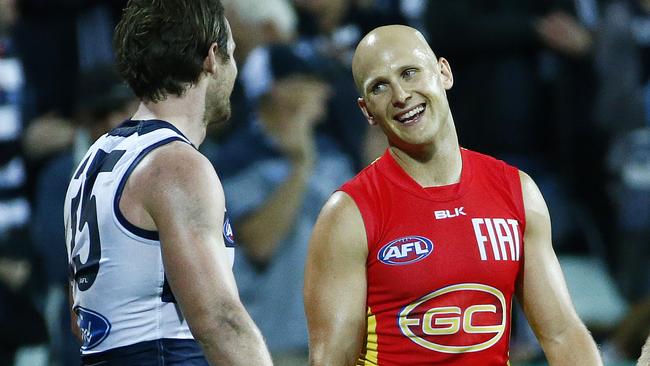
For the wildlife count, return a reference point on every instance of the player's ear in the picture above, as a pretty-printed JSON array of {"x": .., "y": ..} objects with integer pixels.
[
  {"x": 364, "y": 109},
  {"x": 212, "y": 59},
  {"x": 445, "y": 71}
]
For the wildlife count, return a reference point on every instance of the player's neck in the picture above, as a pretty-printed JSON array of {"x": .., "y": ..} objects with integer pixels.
[
  {"x": 185, "y": 112},
  {"x": 437, "y": 164}
]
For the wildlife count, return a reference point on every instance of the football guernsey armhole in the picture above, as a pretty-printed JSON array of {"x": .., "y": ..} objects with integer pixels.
[
  {"x": 128, "y": 227},
  {"x": 513, "y": 180},
  {"x": 369, "y": 222}
]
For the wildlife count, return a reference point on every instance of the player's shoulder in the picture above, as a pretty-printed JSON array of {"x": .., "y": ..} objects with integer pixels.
[
  {"x": 532, "y": 196},
  {"x": 175, "y": 156},
  {"x": 341, "y": 212},
  {"x": 176, "y": 163},
  {"x": 340, "y": 225},
  {"x": 340, "y": 203},
  {"x": 526, "y": 181}
]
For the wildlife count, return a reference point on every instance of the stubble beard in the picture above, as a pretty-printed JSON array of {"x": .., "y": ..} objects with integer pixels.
[{"x": 217, "y": 107}]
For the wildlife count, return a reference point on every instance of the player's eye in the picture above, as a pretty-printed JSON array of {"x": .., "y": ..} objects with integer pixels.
[
  {"x": 409, "y": 73},
  {"x": 378, "y": 88}
]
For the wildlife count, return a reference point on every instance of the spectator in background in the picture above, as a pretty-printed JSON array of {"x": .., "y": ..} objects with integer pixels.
[
  {"x": 622, "y": 56},
  {"x": 265, "y": 30},
  {"x": 12, "y": 168},
  {"x": 102, "y": 102},
  {"x": 327, "y": 30},
  {"x": 626, "y": 341},
  {"x": 75, "y": 36},
  {"x": 623, "y": 98},
  {"x": 258, "y": 29},
  {"x": 274, "y": 202},
  {"x": 20, "y": 321},
  {"x": 623, "y": 45},
  {"x": 326, "y": 39},
  {"x": 260, "y": 25},
  {"x": 569, "y": 33},
  {"x": 498, "y": 45},
  {"x": 331, "y": 28}
]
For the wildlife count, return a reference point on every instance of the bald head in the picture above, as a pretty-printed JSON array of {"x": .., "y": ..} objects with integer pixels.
[{"x": 382, "y": 45}]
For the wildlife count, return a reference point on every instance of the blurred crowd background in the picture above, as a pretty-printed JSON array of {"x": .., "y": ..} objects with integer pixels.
[{"x": 558, "y": 88}]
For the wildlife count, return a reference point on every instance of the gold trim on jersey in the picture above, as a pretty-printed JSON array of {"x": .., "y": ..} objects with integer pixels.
[{"x": 370, "y": 358}]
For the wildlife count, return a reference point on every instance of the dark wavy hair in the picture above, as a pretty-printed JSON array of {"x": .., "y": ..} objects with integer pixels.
[{"x": 160, "y": 45}]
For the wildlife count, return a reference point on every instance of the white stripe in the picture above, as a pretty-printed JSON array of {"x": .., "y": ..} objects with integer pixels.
[
  {"x": 587, "y": 11},
  {"x": 13, "y": 213},
  {"x": 10, "y": 127},
  {"x": 256, "y": 73},
  {"x": 641, "y": 30},
  {"x": 12, "y": 174},
  {"x": 11, "y": 75}
]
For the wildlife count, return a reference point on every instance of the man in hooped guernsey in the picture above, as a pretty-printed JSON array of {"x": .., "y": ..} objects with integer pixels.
[
  {"x": 416, "y": 260},
  {"x": 149, "y": 245}
]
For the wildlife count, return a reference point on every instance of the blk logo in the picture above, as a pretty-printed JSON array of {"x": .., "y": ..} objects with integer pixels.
[{"x": 448, "y": 214}]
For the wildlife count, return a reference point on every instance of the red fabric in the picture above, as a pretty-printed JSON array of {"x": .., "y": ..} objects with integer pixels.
[{"x": 465, "y": 293}]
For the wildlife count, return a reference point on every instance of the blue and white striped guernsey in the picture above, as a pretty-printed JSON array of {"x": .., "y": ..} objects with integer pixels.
[{"x": 120, "y": 292}]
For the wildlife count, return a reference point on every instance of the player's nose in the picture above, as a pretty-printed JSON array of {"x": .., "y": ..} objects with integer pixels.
[{"x": 400, "y": 96}]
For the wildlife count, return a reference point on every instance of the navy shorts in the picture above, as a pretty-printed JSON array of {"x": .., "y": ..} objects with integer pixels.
[{"x": 160, "y": 352}]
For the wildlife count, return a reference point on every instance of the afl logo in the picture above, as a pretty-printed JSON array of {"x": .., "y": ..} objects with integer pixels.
[
  {"x": 467, "y": 317},
  {"x": 227, "y": 232},
  {"x": 405, "y": 250}
]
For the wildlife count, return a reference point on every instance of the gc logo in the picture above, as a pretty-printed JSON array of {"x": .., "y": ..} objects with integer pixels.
[{"x": 451, "y": 328}]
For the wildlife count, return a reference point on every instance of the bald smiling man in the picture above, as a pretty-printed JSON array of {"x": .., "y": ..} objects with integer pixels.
[{"x": 416, "y": 260}]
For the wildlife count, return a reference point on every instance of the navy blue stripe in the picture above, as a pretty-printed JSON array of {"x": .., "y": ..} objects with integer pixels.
[
  {"x": 167, "y": 294},
  {"x": 124, "y": 129},
  {"x": 7, "y": 194},
  {"x": 143, "y": 127},
  {"x": 81, "y": 168},
  {"x": 9, "y": 149},
  {"x": 147, "y": 234}
]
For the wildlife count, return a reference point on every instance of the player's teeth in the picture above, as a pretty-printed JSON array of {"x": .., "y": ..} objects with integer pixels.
[{"x": 412, "y": 113}]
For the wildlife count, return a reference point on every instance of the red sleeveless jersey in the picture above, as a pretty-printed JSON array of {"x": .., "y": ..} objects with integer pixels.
[{"x": 442, "y": 263}]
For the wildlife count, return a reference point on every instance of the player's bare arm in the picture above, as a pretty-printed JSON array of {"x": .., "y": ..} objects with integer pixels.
[
  {"x": 335, "y": 284},
  {"x": 542, "y": 291},
  {"x": 180, "y": 195}
]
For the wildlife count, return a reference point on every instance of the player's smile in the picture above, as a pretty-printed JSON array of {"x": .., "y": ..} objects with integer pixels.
[{"x": 412, "y": 115}]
